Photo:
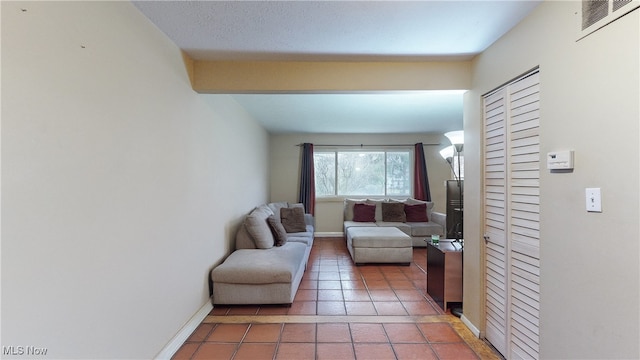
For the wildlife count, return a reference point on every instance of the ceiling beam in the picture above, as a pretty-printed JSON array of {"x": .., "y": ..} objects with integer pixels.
[{"x": 230, "y": 77}]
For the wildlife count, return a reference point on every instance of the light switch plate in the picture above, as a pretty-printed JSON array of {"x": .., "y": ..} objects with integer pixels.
[{"x": 594, "y": 202}]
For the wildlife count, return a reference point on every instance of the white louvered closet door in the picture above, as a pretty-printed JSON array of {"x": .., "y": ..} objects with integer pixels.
[
  {"x": 512, "y": 199},
  {"x": 495, "y": 175}
]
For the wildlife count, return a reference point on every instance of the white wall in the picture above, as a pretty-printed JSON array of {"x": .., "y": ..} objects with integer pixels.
[
  {"x": 119, "y": 192},
  {"x": 285, "y": 169},
  {"x": 590, "y": 263}
]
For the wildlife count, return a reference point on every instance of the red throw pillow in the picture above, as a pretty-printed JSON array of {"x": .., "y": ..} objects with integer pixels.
[
  {"x": 364, "y": 213},
  {"x": 416, "y": 213}
]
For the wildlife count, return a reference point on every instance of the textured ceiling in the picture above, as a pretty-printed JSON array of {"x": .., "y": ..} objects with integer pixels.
[
  {"x": 300, "y": 30},
  {"x": 341, "y": 31}
]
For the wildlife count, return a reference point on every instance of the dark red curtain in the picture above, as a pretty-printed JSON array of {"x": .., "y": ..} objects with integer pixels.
[
  {"x": 307, "y": 194},
  {"x": 421, "y": 189}
]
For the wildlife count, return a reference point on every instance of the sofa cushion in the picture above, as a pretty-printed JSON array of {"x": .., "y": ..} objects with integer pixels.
[
  {"x": 416, "y": 213},
  {"x": 364, "y": 213},
  {"x": 257, "y": 226},
  {"x": 310, "y": 221},
  {"x": 392, "y": 211},
  {"x": 348, "y": 224},
  {"x": 279, "y": 233},
  {"x": 243, "y": 239},
  {"x": 275, "y": 265},
  {"x": 404, "y": 227},
  {"x": 300, "y": 239},
  {"x": 276, "y": 206},
  {"x": 377, "y": 237},
  {"x": 300, "y": 205},
  {"x": 307, "y": 233},
  {"x": 293, "y": 219},
  {"x": 426, "y": 229}
]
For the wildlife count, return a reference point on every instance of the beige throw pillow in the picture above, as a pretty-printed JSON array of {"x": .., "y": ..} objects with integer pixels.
[
  {"x": 377, "y": 203},
  {"x": 257, "y": 226}
]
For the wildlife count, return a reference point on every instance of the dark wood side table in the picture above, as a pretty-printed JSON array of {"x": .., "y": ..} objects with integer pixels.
[{"x": 444, "y": 272}]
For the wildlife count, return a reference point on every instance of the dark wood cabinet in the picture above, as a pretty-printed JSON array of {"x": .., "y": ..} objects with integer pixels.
[{"x": 444, "y": 273}]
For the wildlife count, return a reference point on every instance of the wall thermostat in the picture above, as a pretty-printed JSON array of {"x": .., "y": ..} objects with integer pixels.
[{"x": 560, "y": 160}]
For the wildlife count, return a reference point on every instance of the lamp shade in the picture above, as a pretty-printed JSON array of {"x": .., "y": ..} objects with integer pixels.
[
  {"x": 447, "y": 153},
  {"x": 456, "y": 137}
]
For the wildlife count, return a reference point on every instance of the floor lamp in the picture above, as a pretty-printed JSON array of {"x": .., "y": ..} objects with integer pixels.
[
  {"x": 447, "y": 154},
  {"x": 457, "y": 143}
]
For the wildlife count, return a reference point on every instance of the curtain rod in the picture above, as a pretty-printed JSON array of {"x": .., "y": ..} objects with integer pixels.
[{"x": 363, "y": 145}]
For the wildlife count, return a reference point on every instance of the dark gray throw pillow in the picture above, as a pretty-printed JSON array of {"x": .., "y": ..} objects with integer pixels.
[
  {"x": 393, "y": 212},
  {"x": 278, "y": 230},
  {"x": 293, "y": 219}
]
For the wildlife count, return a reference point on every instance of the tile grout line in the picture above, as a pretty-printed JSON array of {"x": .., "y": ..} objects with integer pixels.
[
  {"x": 323, "y": 319},
  {"x": 326, "y": 263}
]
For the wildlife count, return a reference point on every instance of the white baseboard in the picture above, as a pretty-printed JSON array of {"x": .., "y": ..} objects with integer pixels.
[
  {"x": 469, "y": 325},
  {"x": 329, "y": 234},
  {"x": 174, "y": 345}
]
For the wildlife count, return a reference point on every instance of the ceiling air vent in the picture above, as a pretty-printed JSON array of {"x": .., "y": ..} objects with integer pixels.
[{"x": 597, "y": 13}]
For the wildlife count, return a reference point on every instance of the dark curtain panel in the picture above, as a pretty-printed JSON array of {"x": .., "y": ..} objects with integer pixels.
[
  {"x": 307, "y": 194},
  {"x": 421, "y": 189}
]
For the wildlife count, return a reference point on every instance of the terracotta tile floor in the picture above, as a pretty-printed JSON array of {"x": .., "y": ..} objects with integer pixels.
[{"x": 341, "y": 311}]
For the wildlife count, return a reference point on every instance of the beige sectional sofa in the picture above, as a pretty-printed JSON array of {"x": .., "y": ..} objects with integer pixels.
[
  {"x": 417, "y": 230},
  {"x": 269, "y": 260}
]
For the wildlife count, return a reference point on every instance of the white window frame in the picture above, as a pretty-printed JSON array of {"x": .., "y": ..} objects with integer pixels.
[{"x": 383, "y": 149}]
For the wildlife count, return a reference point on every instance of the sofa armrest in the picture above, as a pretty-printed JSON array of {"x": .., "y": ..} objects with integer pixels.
[
  {"x": 439, "y": 218},
  {"x": 310, "y": 220}
]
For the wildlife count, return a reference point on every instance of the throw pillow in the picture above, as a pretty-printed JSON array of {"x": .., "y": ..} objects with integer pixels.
[
  {"x": 416, "y": 213},
  {"x": 257, "y": 226},
  {"x": 364, "y": 213},
  {"x": 300, "y": 205},
  {"x": 243, "y": 239},
  {"x": 393, "y": 212},
  {"x": 412, "y": 201},
  {"x": 278, "y": 230},
  {"x": 377, "y": 203},
  {"x": 293, "y": 219},
  {"x": 348, "y": 208}
]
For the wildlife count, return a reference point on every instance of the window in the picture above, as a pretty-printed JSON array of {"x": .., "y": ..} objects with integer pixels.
[{"x": 363, "y": 173}]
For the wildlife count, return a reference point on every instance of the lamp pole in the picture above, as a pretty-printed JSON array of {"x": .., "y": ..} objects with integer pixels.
[
  {"x": 458, "y": 311},
  {"x": 459, "y": 226},
  {"x": 457, "y": 140}
]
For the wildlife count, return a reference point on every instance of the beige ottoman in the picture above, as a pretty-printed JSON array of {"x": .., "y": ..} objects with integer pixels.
[{"x": 372, "y": 244}]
